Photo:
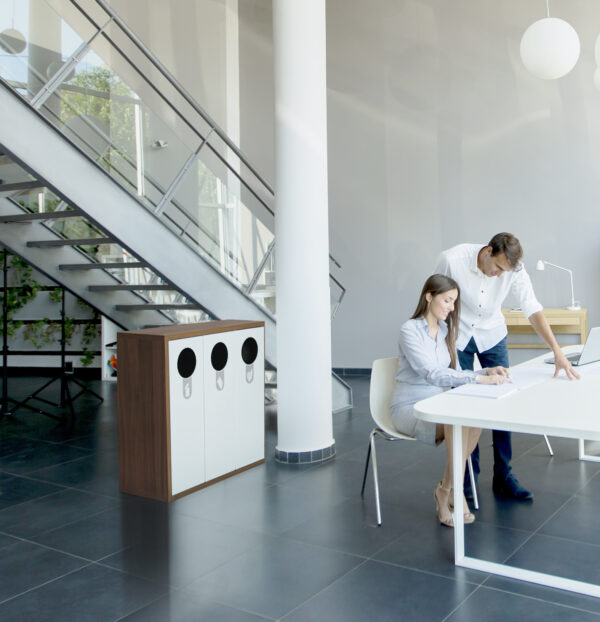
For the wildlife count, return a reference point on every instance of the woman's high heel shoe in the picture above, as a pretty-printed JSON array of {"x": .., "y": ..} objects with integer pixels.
[
  {"x": 441, "y": 497},
  {"x": 468, "y": 516}
]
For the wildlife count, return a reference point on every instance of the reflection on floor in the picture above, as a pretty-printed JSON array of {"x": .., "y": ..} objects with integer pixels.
[{"x": 280, "y": 542}]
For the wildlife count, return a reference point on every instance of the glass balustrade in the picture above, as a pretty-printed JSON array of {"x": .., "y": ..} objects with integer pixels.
[{"x": 87, "y": 75}]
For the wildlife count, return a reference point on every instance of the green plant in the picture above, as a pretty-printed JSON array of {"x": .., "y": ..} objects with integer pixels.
[{"x": 22, "y": 289}]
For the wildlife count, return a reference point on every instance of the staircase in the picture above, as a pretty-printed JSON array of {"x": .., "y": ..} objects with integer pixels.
[{"x": 184, "y": 238}]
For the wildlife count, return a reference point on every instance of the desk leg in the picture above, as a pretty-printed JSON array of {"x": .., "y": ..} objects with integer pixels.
[
  {"x": 459, "y": 522},
  {"x": 492, "y": 567},
  {"x": 583, "y": 455}
]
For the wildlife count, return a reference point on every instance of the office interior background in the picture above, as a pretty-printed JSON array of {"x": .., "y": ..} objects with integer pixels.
[{"x": 437, "y": 135}]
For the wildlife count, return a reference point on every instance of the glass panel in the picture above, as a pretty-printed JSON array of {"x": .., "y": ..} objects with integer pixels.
[{"x": 119, "y": 108}]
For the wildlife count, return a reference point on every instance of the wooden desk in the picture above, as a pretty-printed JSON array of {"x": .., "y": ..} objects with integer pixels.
[
  {"x": 562, "y": 322},
  {"x": 568, "y": 409}
]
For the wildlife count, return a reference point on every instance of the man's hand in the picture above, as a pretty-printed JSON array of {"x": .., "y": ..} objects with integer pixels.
[
  {"x": 562, "y": 362},
  {"x": 499, "y": 370}
]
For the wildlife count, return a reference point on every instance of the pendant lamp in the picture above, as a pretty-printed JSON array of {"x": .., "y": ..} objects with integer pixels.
[{"x": 550, "y": 47}]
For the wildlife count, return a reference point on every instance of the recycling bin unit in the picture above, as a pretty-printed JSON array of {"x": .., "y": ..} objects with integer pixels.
[{"x": 190, "y": 406}]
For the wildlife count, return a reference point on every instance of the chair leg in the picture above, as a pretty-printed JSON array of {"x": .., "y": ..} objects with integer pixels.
[
  {"x": 548, "y": 445},
  {"x": 473, "y": 484},
  {"x": 362, "y": 490},
  {"x": 375, "y": 480}
]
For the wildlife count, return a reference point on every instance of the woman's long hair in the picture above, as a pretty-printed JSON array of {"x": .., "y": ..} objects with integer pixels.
[{"x": 440, "y": 284}]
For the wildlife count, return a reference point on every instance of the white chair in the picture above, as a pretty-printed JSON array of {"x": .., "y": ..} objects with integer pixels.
[{"x": 383, "y": 382}]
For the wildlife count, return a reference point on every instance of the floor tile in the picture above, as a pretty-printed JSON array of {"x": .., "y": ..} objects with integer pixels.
[
  {"x": 98, "y": 472},
  {"x": 15, "y": 490},
  {"x": 346, "y": 527},
  {"x": 268, "y": 509},
  {"x": 177, "y": 607},
  {"x": 182, "y": 549},
  {"x": 487, "y": 605},
  {"x": 576, "y": 520},
  {"x": 543, "y": 593},
  {"x": 91, "y": 594},
  {"x": 51, "y": 511},
  {"x": 566, "y": 558},
  {"x": 429, "y": 546},
  {"x": 275, "y": 578},
  {"x": 38, "y": 456},
  {"x": 378, "y": 591},
  {"x": 24, "y": 565},
  {"x": 92, "y": 537}
]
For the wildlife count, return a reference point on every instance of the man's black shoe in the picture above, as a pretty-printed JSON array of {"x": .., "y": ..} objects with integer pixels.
[{"x": 511, "y": 489}]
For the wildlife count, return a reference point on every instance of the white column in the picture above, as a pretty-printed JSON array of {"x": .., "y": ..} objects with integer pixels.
[{"x": 304, "y": 418}]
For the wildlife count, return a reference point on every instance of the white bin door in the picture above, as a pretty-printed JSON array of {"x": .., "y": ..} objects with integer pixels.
[
  {"x": 186, "y": 406},
  {"x": 219, "y": 404},
  {"x": 248, "y": 365}
]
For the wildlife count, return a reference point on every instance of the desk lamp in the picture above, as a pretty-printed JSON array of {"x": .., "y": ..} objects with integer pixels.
[{"x": 541, "y": 265}]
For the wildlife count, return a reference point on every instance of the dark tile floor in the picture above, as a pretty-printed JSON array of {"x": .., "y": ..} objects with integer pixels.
[{"x": 293, "y": 543}]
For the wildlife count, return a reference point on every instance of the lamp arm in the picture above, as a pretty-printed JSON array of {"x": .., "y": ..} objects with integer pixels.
[{"x": 570, "y": 275}]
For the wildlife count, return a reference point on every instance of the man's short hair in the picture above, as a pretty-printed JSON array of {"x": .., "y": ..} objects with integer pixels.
[{"x": 509, "y": 245}]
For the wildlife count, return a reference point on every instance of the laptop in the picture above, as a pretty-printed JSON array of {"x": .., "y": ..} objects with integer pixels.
[{"x": 590, "y": 352}]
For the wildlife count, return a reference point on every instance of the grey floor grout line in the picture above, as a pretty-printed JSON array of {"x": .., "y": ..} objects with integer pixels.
[
  {"x": 285, "y": 615},
  {"x": 542, "y": 600},
  {"x": 37, "y": 587}
]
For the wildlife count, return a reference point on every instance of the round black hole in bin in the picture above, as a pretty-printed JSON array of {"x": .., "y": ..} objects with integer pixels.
[
  {"x": 186, "y": 362},
  {"x": 218, "y": 356},
  {"x": 249, "y": 350}
]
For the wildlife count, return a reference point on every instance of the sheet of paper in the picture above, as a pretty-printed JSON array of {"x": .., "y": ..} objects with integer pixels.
[
  {"x": 523, "y": 377},
  {"x": 492, "y": 391}
]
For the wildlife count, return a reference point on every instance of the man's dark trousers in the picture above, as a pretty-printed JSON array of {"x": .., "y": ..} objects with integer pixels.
[{"x": 497, "y": 355}]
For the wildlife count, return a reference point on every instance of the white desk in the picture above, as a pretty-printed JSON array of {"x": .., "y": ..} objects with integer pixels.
[{"x": 558, "y": 407}]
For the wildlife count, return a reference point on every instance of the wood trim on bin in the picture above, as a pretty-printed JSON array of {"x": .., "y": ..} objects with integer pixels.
[{"x": 143, "y": 467}]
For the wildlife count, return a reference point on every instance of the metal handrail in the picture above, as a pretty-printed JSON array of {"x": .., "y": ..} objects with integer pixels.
[
  {"x": 179, "y": 87},
  {"x": 185, "y": 94},
  {"x": 114, "y": 18}
]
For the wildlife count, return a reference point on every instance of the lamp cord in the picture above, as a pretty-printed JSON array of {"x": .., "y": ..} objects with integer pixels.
[{"x": 548, "y": 7}]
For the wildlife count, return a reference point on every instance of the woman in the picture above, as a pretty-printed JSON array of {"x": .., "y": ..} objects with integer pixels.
[{"x": 428, "y": 365}]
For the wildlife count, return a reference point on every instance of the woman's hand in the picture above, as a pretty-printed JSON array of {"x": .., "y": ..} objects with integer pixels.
[
  {"x": 491, "y": 378},
  {"x": 499, "y": 370}
]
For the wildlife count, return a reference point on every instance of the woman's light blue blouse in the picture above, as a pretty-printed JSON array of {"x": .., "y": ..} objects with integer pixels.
[{"x": 424, "y": 364}]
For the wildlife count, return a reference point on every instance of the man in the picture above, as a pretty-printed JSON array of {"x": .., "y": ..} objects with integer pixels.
[{"x": 485, "y": 275}]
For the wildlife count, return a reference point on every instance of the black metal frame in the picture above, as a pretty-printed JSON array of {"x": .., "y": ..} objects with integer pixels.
[{"x": 65, "y": 372}]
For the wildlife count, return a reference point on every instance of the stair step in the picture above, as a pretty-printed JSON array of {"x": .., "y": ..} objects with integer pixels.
[
  {"x": 71, "y": 242},
  {"x": 159, "y": 307},
  {"x": 39, "y": 216},
  {"x": 131, "y": 288},
  {"x": 21, "y": 185},
  {"x": 101, "y": 266}
]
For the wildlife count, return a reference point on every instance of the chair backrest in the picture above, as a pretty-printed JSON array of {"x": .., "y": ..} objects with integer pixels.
[{"x": 383, "y": 382}]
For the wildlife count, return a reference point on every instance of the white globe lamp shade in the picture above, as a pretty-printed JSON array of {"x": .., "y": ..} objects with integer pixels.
[
  {"x": 550, "y": 48},
  {"x": 597, "y": 78}
]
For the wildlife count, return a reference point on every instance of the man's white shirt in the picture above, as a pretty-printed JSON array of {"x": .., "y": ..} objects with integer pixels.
[{"x": 481, "y": 296}]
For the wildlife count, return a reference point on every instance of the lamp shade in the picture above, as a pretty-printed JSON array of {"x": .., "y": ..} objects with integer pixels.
[
  {"x": 550, "y": 48},
  {"x": 12, "y": 41}
]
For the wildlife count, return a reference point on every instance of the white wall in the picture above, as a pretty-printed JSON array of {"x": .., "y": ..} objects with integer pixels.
[{"x": 437, "y": 135}]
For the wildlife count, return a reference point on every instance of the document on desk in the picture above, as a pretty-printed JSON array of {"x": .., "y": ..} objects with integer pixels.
[
  {"x": 520, "y": 378},
  {"x": 492, "y": 391}
]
